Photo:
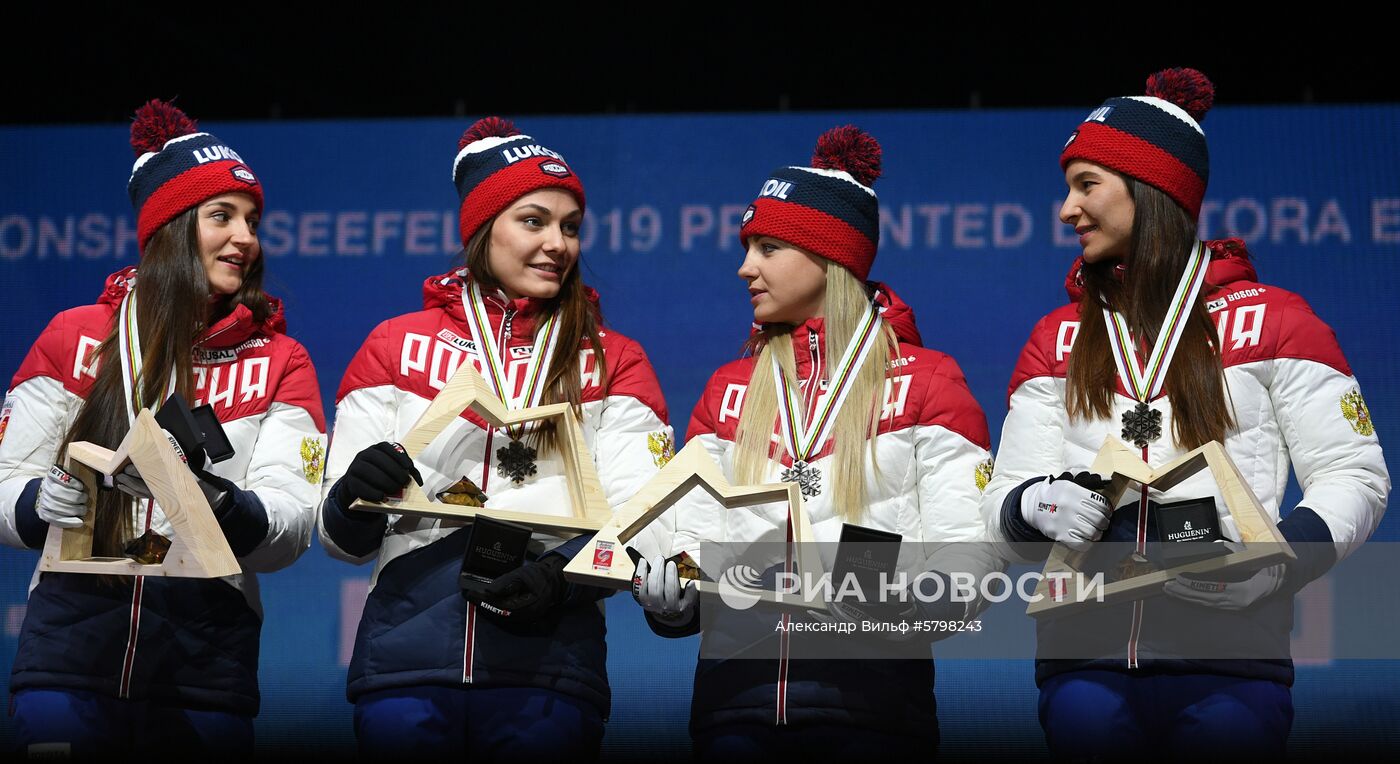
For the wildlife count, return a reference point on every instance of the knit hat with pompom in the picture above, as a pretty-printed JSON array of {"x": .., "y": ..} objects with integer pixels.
[
  {"x": 178, "y": 167},
  {"x": 1155, "y": 138},
  {"x": 496, "y": 165},
  {"x": 828, "y": 209}
]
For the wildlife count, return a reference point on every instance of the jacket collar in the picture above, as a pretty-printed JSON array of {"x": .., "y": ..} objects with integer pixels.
[
  {"x": 229, "y": 331},
  {"x": 895, "y": 312},
  {"x": 1229, "y": 262},
  {"x": 444, "y": 292}
]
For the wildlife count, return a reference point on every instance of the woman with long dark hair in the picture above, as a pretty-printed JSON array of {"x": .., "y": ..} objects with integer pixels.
[
  {"x": 515, "y": 669},
  {"x": 152, "y": 664},
  {"x": 1170, "y": 343},
  {"x": 836, "y": 394}
]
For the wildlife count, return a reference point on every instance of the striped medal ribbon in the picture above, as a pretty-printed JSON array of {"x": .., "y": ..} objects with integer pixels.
[
  {"x": 804, "y": 441},
  {"x": 1143, "y": 424},
  {"x": 148, "y": 547},
  {"x": 129, "y": 348},
  {"x": 515, "y": 461}
]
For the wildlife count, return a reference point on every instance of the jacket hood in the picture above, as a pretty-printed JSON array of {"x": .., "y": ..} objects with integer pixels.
[{"x": 897, "y": 314}]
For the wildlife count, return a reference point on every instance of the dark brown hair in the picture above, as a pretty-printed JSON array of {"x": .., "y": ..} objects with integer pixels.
[
  {"x": 172, "y": 310},
  {"x": 579, "y": 319},
  {"x": 1162, "y": 236}
]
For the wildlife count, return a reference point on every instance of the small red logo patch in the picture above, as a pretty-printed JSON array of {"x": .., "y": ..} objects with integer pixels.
[
  {"x": 602, "y": 558},
  {"x": 556, "y": 169},
  {"x": 242, "y": 173}
]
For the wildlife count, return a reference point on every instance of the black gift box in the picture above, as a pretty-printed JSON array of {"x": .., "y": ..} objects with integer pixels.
[
  {"x": 1187, "y": 531},
  {"x": 494, "y": 548},
  {"x": 866, "y": 555},
  {"x": 198, "y": 431}
]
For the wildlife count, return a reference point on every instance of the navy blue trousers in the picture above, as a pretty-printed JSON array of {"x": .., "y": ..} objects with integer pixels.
[
  {"x": 477, "y": 724},
  {"x": 81, "y": 724},
  {"x": 1113, "y": 715},
  {"x": 770, "y": 743}
]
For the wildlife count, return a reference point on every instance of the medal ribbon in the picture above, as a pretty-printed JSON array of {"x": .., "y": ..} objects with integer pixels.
[
  {"x": 546, "y": 339},
  {"x": 129, "y": 348},
  {"x": 1146, "y": 383},
  {"x": 805, "y": 441}
]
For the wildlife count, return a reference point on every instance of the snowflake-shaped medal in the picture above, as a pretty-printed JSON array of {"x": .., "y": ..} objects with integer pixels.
[
  {"x": 807, "y": 477},
  {"x": 1142, "y": 425},
  {"x": 515, "y": 462}
]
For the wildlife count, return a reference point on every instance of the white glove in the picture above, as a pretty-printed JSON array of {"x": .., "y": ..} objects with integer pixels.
[
  {"x": 657, "y": 588},
  {"x": 62, "y": 499},
  {"x": 1227, "y": 595},
  {"x": 129, "y": 481},
  {"x": 1065, "y": 511}
]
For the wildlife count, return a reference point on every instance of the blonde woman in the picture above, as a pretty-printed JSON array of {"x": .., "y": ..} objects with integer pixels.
[{"x": 837, "y": 395}]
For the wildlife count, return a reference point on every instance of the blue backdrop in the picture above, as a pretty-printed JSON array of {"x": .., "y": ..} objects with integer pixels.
[{"x": 360, "y": 212}]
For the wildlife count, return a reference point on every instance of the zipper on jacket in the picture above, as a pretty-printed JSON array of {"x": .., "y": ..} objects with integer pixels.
[
  {"x": 469, "y": 632},
  {"x": 1140, "y": 548},
  {"x": 469, "y": 645},
  {"x": 137, "y": 588},
  {"x": 486, "y": 461},
  {"x": 505, "y": 329},
  {"x": 133, "y": 630},
  {"x": 139, "y": 585},
  {"x": 812, "y": 395},
  {"x": 206, "y": 340},
  {"x": 784, "y": 646}
]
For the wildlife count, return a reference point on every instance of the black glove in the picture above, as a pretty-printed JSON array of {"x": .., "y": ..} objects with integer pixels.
[
  {"x": 376, "y": 472},
  {"x": 220, "y": 493},
  {"x": 1084, "y": 480},
  {"x": 526, "y": 593}
]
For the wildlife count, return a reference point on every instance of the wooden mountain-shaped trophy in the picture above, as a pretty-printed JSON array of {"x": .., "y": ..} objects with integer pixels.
[
  {"x": 467, "y": 391},
  {"x": 198, "y": 549},
  {"x": 603, "y": 561},
  {"x": 1139, "y": 577}
]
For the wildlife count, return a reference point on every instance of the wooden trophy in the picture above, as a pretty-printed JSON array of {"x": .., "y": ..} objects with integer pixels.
[
  {"x": 602, "y": 561},
  {"x": 198, "y": 549},
  {"x": 468, "y": 391},
  {"x": 1263, "y": 544}
]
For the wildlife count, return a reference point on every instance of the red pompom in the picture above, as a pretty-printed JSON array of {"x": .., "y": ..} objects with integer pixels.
[
  {"x": 851, "y": 149},
  {"x": 156, "y": 123},
  {"x": 1187, "y": 88},
  {"x": 487, "y": 127}
]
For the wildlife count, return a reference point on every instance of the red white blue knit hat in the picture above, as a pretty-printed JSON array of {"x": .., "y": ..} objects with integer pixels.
[
  {"x": 828, "y": 209},
  {"x": 177, "y": 167},
  {"x": 1156, "y": 138},
  {"x": 496, "y": 165}
]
